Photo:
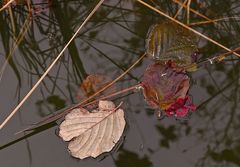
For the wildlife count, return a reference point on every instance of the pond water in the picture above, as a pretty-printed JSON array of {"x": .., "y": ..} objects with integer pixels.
[{"x": 108, "y": 44}]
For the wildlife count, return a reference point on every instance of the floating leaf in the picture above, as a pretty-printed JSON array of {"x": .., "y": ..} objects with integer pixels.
[
  {"x": 93, "y": 133},
  {"x": 166, "y": 88},
  {"x": 162, "y": 85},
  {"x": 169, "y": 41},
  {"x": 181, "y": 107},
  {"x": 92, "y": 84}
]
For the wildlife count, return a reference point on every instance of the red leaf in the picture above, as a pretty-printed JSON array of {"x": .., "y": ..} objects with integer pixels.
[
  {"x": 181, "y": 107},
  {"x": 163, "y": 85}
]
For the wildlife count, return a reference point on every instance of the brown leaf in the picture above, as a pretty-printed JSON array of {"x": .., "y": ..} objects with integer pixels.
[{"x": 92, "y": 84}]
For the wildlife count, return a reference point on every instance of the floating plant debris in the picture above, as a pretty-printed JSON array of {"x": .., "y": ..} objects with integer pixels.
[
  {"x": 165, "y": 86},
  {"x": 166, "y": 82},
  {"x": 166, "y": 89},
  {"x": 169, "y": 41},
  {"x": 93, "y": 133},
  {"x": 92, "y": 84}
]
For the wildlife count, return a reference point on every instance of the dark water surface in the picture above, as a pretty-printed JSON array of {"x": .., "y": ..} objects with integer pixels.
[{"x": 110, "y": 42}]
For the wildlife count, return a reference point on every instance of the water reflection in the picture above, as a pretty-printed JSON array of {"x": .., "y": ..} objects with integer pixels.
[
  {"x": 114, "y": 38},
  {"x": 128, "y": 158}
]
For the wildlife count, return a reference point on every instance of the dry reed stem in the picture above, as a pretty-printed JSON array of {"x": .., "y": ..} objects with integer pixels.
[
  {"x": 217, "y": 58},
  {"x": 192, "y": 10},
  {"x": 84, "y": 102},
  {"x": 228, "y": 53},
  {"x": 29, "y": 5},
  {"x": 50, "y": 67},
  {"x": 212, "y": 21},
  {"x": 6, "y": 5},
  {"x": 55, "y": 117},
  {"x": 180, "y": 9},
  {"x": 50, "y": 119},
  {"x": 114, "y": 94},
  {"x": 208, "y": 20},
  {"x": 187, "y": 27},
  {"x": 188, "y": 11}
]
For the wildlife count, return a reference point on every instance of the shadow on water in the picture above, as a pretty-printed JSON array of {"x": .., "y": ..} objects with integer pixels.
[
  {"x": 29, "y": 134},
  {"x": 109, "y": 44}
]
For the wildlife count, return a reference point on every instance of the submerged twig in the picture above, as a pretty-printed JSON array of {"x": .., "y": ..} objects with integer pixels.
[{"x": 50, "y": 67}]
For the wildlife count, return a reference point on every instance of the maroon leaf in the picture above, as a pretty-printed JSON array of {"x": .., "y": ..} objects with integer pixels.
[
  {"x": 166, "y": 88},
  {"x": 181, "y": 107}
]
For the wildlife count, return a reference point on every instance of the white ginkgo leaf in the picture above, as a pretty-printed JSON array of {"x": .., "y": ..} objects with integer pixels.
[{"x": 93, "y": 133}]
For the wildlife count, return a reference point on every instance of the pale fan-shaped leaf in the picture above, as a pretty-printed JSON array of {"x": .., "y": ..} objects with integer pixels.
[{"x": 93, "y": 133}]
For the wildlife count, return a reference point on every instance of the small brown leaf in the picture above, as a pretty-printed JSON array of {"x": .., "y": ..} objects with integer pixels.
[
  {"x": 93, "y": 133},
  {"x": 92, "y": 84}
]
